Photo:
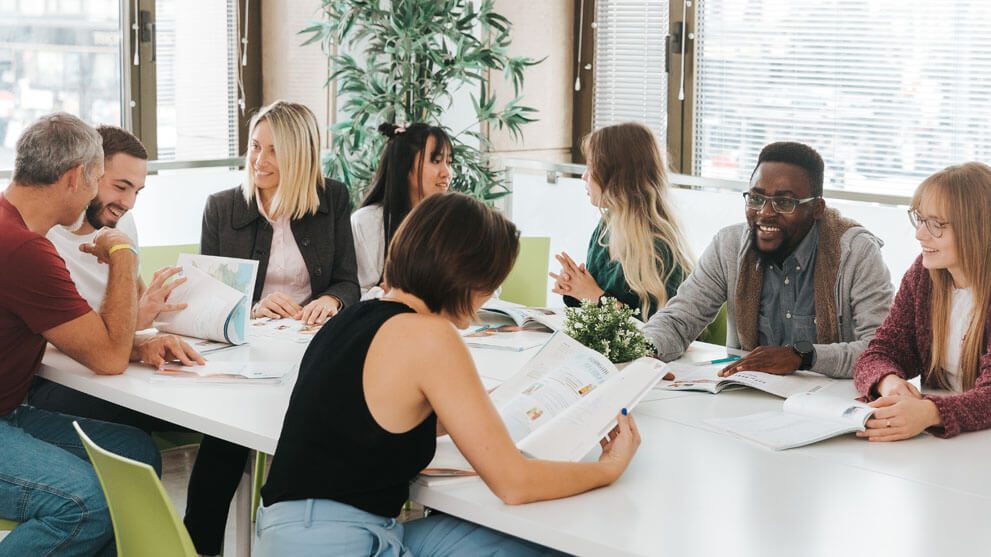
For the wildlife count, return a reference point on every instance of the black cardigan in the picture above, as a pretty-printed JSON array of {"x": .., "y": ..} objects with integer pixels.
[{"x": 234, "y": 228}]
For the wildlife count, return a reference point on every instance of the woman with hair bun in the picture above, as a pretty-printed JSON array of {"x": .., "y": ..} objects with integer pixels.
[{"x": 416, "y": 163}]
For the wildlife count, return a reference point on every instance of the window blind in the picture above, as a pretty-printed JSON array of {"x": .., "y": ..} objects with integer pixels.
[
  {"x": 888, "y": 91},
  {"x": 629, "y": 79}
]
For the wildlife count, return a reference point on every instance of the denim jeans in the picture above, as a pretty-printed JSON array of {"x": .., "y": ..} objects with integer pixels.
[
  {"x": 48, "y": 484},
  {"x": 322, "y": 527}
]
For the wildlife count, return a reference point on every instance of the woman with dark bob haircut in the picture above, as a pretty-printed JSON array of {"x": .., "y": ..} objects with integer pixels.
[{"x": 381, "y": 380}]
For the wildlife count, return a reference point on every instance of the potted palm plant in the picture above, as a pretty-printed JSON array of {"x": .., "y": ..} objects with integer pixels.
[{"x": 400, "y": 63}]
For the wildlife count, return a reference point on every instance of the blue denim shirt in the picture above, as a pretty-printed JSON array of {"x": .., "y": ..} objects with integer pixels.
[{"x": 787, "y": 298}]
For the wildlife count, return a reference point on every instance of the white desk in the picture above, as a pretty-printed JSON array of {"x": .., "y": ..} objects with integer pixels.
[{"x": 690, "y": 490}]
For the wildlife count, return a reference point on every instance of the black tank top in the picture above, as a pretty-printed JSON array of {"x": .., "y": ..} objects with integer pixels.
[{"x": 330, "y": 446}]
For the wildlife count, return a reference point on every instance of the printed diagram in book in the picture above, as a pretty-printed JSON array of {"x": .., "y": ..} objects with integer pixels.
[{"x": 282, "y": 329}]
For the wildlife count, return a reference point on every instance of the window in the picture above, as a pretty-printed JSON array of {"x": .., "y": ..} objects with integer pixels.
[
  {"x": 57, "y": 55},
  {"x": 888, "y": 92},
  {"x": 77, "y": 56}
]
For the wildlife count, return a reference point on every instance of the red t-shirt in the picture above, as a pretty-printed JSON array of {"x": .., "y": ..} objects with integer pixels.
[{"x": 36, "y": 294}]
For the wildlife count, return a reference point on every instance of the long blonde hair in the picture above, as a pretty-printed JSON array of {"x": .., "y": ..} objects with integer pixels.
[
  {"x": 296, "y": 136},
  {"x": 964, "y": 194},
  {"x": 627, "y": 164}
]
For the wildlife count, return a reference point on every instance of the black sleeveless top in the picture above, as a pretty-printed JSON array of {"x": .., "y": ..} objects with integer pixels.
[{"x": 330, "y": 446}]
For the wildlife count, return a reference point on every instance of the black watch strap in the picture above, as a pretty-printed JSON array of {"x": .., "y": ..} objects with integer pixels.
[{"x": 807, "y": 351}]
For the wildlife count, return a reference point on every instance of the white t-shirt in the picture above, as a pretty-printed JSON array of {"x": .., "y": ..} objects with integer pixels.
[
  {"x": 961, "y": 310},
  {"x": 368, "y": 229},
  {"x": 90, "y": 275}
]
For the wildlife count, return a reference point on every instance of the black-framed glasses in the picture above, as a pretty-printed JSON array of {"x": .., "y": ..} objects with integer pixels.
[
  {"x": 781, "y": 205},
  {"x": 934, "y": 227}
]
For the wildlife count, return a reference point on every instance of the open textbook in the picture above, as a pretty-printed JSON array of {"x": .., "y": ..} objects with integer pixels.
[
  {"x": 504, "y": 337},
  {"x": 214, "y": 371},
  {"x": 218, "y": 293},
  {"x": 805, "y": 418},
  {"x": 560, "y": 404},
  {"x": 524, "y": 317},
  {"x": 690, "y": 376}
]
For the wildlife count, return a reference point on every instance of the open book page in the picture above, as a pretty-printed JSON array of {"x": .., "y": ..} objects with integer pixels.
[
  {"x": 226, "y": 372},
  {"x": 210, "y": 308},
  {"x": 693, "y": 377},
  {"x": 239, "y": 274},
  {"x": 552, "y": 319},
  {"x": 292, "y": 330},
  {"x": 504, "y": 337},
  {"x": 561, "y": 402},
  {"x": 806, "y": 418}
]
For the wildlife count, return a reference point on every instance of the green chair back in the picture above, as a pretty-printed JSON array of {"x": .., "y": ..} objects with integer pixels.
[
  {"x": 527, "y": 282},
  {"x": 6, "y": 525},
  {"x": 154, "y": 258},
  {"x": 145, "y": 522},
  {"x": 715, "y": 333}
]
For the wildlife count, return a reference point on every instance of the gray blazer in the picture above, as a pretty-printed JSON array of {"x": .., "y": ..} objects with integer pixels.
[{"x": 233, "y": 228}]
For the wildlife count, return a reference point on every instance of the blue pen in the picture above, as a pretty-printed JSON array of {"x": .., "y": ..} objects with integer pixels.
[
  {"x": 720, "y": 361},
  {"x": 480, "y": 329}
]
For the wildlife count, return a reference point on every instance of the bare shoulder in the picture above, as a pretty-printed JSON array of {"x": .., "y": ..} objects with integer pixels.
[{"x": 417, "y": 333}]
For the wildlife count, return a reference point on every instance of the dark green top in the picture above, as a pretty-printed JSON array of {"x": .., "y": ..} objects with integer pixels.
[{"x": 608, "y": 274}]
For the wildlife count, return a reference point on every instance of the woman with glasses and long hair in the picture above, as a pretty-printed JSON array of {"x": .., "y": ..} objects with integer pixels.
[
  {"x": 638, "y": 253},
  {"x": 416, "y": 163},
  {"x": 372, "y": 395},
  {"x": 937, "y": 327}
]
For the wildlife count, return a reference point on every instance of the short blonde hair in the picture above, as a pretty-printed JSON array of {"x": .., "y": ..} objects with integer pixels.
[{"x": 296, "y": 136}]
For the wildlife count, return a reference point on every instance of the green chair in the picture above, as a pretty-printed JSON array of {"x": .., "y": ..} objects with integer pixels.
[
  {"x": 154, "y": 258},
  {"x": 6, "y": 525},
  {"x": 527, "y": 282},
  {"x": 259, "y": 480},
  {"x": 715, "y": 333},
  {"x": 145, "y": 522}
]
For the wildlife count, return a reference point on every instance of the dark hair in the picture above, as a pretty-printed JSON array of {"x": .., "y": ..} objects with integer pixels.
[
  {"x": 118, "y": 140},
  {"x": 391, "y": 186},
  {"x": 450, "y": 247},
  {"x": 798, "y": 154}
]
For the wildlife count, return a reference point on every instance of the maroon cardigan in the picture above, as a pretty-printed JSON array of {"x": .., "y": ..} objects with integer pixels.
[{"x": 903, "y": 345}]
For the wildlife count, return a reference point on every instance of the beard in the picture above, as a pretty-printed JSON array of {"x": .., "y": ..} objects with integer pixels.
[
  {"x": 767, "y": 257},
  {"x": 93, "y": 215}
]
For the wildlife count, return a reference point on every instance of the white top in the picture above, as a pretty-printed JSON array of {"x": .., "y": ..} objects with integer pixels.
[
  {"x": 90, "y": 275},
  {"x": 961, "y": 310},
  {"x": 368, "y": 229},
  {"x": 286, "y": 271}
]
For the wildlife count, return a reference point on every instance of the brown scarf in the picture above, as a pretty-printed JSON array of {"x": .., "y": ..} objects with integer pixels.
[{"x": 750, "y": 283}]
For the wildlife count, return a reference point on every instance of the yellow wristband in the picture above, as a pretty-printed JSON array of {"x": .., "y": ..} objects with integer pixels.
[{"x": 120, "y": 247}]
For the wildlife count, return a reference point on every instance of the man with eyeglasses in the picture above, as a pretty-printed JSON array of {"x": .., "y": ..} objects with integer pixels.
[{"x": 804, "y": 287}]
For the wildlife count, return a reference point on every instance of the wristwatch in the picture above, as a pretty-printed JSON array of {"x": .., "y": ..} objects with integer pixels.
[{"x": 807, "y": 351}]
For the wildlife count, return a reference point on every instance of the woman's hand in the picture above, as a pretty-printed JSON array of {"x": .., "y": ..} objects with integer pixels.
[
  {"x": 900, "y": 417},
  {"x": 893, "y": 385},
  {"x": 154, "y": 299},
  {"x": 276, "y": 305},
  {"x": 574, "y": 280},
  {"x": 319, "y": 310},
  {"x": 620, "y": 444}
]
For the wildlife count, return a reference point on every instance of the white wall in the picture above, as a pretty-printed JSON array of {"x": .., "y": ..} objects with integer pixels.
[
  {"x": 169, "y": 210},
  {"x": 562, "y": 211}
]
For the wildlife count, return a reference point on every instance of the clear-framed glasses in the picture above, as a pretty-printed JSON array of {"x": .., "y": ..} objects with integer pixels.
[
  {"x": 934, "y": 227},
  {"x": 781, "y": 205}
]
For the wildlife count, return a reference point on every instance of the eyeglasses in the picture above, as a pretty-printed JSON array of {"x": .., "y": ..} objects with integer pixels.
[
  {"x": 781, "y": 205},
  {"x": 932, "y": 225}
]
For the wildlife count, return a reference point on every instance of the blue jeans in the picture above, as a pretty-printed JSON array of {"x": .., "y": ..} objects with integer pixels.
[
  {"x": 48, "y": 484},
  {"x": 323, "y": 527}
]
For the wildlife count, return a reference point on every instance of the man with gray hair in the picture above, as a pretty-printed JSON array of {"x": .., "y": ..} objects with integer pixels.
[{"x": 46, "y": 481}]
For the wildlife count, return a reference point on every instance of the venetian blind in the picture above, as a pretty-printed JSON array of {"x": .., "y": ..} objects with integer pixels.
[
  {"x": 630, "y": 82},
  {"x": 888, "y": 91}
]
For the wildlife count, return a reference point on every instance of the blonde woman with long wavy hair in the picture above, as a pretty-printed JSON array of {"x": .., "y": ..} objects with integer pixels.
[
  {"x": 638, "y": 253},
  {"x": 937, "y": 327}
]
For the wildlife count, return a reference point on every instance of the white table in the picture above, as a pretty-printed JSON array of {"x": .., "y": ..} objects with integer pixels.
[{"x": 691, "y": 490}]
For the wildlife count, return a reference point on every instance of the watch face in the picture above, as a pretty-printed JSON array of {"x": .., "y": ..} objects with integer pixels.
[{"x": 803, "y": 347}]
